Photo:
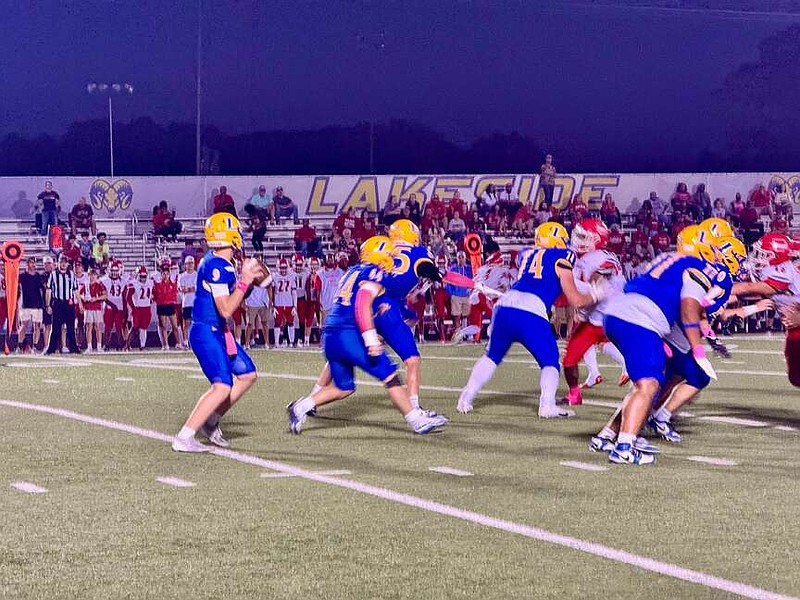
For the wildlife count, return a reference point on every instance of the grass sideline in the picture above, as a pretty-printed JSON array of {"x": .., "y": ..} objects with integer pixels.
[{"x": 106, "y": 527}]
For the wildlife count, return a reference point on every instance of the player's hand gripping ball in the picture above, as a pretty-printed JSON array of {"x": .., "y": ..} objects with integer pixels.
[{"x": 263, "y": 277}]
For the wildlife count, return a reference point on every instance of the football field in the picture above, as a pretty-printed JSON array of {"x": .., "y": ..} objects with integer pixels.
[{"x": 500, "y": 504}]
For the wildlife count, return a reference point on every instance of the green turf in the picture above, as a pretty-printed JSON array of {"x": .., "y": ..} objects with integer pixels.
[{"x": 106, "y": 529}]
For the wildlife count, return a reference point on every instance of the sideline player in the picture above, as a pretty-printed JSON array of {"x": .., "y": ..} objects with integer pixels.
[
  {"x": 522, "y": 316},
  {"x": 350, "y": 340},
  {"x": 220, "y": 356},
  {"x": 187, "y": 285},
  {"x": 140, "y": 303},
  {"x": 284, "y": 301},
  {"x": 114, "y": 316}
]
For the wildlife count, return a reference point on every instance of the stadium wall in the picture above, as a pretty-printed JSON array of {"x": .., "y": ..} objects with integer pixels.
[{"x": 329, "y": 194}]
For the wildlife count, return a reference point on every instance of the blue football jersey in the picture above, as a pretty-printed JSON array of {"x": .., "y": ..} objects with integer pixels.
[
  {"x": 537, "y": 273},
  {"x": 722, "y": 288},
  {"x": 215, "y": 277},
  {"x": 343, "y": 311},
  {"x": 405, "y": 274},
  {"x": 664, "y": 279}
]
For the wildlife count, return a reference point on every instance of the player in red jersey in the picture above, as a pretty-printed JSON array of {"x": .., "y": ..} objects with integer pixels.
[
  {"x": 93, "y": 299},
  {"x": 284, "y": 302},
  {"x": 495, "y": 274},
  {"x": 440, "y": 298},
  {"x": 304, "y": 317},
  {"x": 165, "y": 296},
  {"x": 115, "y": 316},
  {"x": 313, "y": 291},
  {"x": 140, "y": 301}
]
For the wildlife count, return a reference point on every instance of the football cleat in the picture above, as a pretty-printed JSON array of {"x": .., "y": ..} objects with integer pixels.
[
  {"x": 664, "y": 428},
  {"x": 592, "y": 381},
  {"x": 188, "y": 445},
  {"x": 643, "y": 445},
  {"x": 626, "y": 454},
  {"x": 600, "y": 444},
  {"x": 573, "y": 397},
  {"x": 464, "y": 403},
  {"x": 555, "y": 413},
  {"x": 624, "y": 379},
  {"x": 214, "y": 435},
  {"x": 295, "y": 421},
  {"x": 718, "y": 347},
  {"x": 429, "y": 421}
]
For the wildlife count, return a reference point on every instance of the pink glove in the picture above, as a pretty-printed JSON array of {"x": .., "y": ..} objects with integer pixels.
[
  {"x": 667, "y": 350},
  {"x": 699, "y": 351}
]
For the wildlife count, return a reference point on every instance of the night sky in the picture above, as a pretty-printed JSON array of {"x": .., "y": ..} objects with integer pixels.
[{"x": 630, "y": 74}]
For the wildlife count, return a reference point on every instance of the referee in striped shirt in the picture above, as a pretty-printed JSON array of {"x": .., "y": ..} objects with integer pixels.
[{"x": 61, "y": 296}]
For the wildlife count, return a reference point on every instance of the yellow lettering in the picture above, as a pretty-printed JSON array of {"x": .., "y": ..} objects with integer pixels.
[
  {"x": 594, "y": 187},
  {"x": 364, "y": 195},
  {"x": 525, "y": 188},
  {"x": 400, "y": 190},
  {"x": 316, "y": 200},
  {"x": 445, "y": 186}
]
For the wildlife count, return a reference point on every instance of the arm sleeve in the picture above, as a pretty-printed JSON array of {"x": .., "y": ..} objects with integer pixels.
[{"x": 364, "y": 297}]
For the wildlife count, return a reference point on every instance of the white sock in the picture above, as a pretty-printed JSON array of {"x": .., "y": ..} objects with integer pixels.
[
  {"x": 626, "y": 438},
  {"x": 482, "y": 372},
  {"x": 414, "y": 400},
  {"x": 291, "y": 334},
  {"x": 277, "y": 334},
  {"x": 607, "y": 433},
  {"x": 186, "y": 432},
  {"x": 317, "y": 387},
  {"x": 610, "y": 349},
  {"x": 180, "y": 336},
  {"x": 413, "y": 416},
  {"x": 662, "y": 414},
  {"x": 548, "y": 382},
  {"x": 304, "y": 405},
  {"x": 142, "y": 338},
  {"x": 590, "y": 358}
]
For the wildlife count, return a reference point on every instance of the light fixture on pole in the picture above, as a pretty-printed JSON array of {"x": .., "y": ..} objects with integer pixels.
[{"x": 110, "y": 89}]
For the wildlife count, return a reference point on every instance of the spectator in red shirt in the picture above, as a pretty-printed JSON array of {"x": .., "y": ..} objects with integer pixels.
[
  {"x": 427, "y": 219},
  {"x": 165, "y": 296},
  {"x": 524, "y": 220},
  {"x": 456, "y": 204},
  {"x": 368, "y": 229},
  {"x": 164, "y": 223},
  {"x": 761, "y": 200},
  {"x": 609, "y": 212},
  {"x": 436, "y": 207},
  {"x": 306, "y": 241},
  {"x": 779, "y": 225},
  {"x": 660, "y": 242},
  {"x": 750, "y": 223},
  {"x": 345, "y": 220},
  {"x": 578, "y": 209},
  {"x": 617, "y": 240},
  {"x": 681, "y": 200},
  {"x": 639, "y": 237},
  {"x": 678, "y": 224},
  {"x": 223, "y": 202},
  {"x": 71, "y": 250},
  {"x": 737, "y": 206}
]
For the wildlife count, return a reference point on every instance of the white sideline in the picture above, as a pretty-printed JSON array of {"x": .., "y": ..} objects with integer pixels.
[
  {"x": 542, "y": 535},
  {"x": 284, "y": 475},
  {"x": 30, "y": 488},
  {"x": 710, "y": 460}
]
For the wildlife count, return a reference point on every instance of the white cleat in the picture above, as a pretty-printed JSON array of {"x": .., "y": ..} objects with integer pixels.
[
  {"x": 188, "y": 445},
  {"x": 215, "y": 436},
  {"x": 555, "y": 413},
  {"x": 430, "y": 422}
]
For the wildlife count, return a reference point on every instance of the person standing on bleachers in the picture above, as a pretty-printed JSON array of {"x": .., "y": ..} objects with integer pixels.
[
  {"x": 50, "y": 203},
  {"x": 223, "y": 202},
  {"x": 85, "y": 245},
  {"x": 101, "y": 251}
]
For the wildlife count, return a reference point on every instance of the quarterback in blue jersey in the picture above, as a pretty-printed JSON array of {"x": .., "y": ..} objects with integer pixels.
[
  {"x": 350, "y": 340},
  {"x": 672, "y": 291},
  {"x": 522, "y": 315},
  {"x": 224, "y": 362}
]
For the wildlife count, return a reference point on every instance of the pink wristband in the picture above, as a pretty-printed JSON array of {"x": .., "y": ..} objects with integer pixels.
[{"x": 242, "y": 287}]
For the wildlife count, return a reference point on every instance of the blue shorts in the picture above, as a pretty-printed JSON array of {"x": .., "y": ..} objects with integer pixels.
[
  {"x": 684, "y": 366},
  {"x": 208, "y": 346},
  {"x": 642, "y": 349},
  {"x": 510, "y": 325},
  {"x": 345, "y": 350},
  {"x": 391, "y": 327}
]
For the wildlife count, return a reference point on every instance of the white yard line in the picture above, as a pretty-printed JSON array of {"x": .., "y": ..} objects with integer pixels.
[
  {"x": 710, "y": 460},
  {"x": 27, "y": 487},
  {"x": 50, "y": 381},
  {"x": 124, "y": 379},
  {"x": 582, "y": 466},
  {"x": 278, "y": 475},
  {"x": 585, "y": 546},
  {"x": 175, "y": 482},
  {"x": 785, "y": 428},
  {"x": 735, "y": 421},
  {"x": 450, "y": 471}
]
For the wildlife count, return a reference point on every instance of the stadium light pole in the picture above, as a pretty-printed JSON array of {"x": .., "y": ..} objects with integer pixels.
[
  {"x": 109, "y": 89},
  {"x": 197, "y": 133},
  {"x": 377, "y": 42}
]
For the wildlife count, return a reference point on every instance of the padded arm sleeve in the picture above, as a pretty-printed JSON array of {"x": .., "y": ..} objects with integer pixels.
[{"x": 458, "y": 280}]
